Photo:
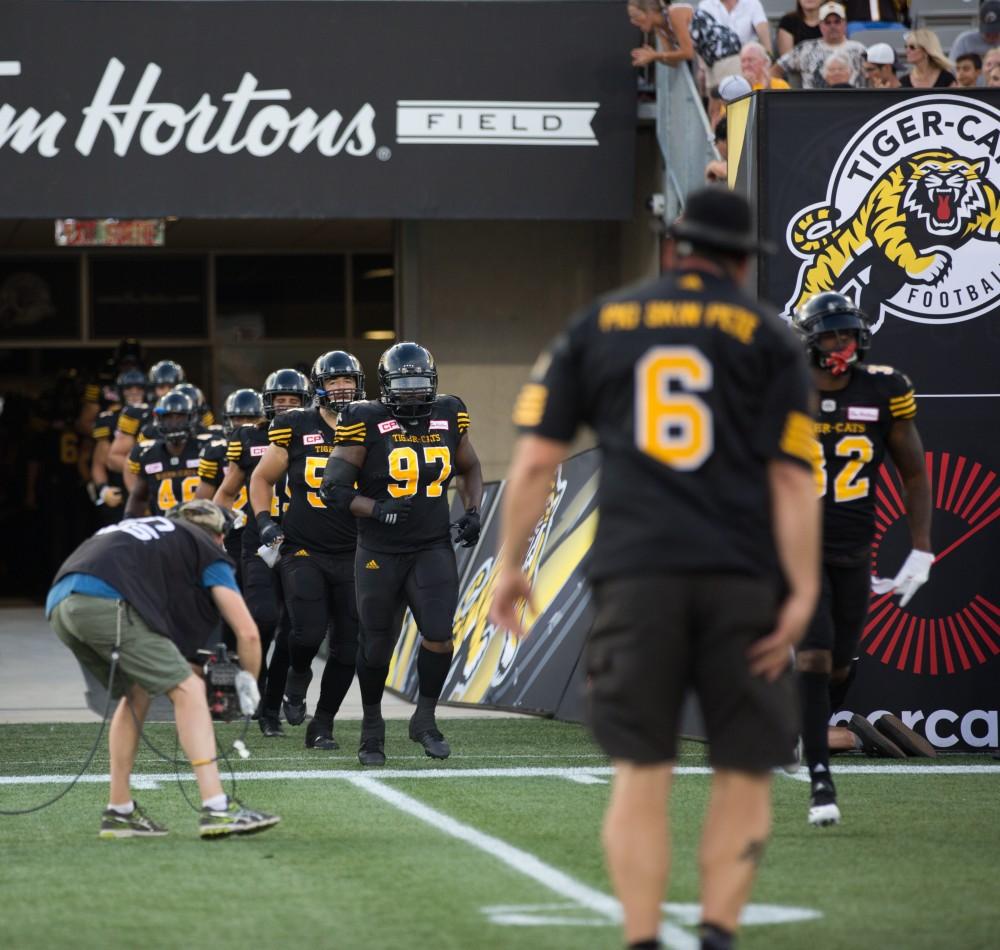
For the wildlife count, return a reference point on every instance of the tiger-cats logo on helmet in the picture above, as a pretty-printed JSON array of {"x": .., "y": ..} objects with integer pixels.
[{"x": 911, "y": 222}]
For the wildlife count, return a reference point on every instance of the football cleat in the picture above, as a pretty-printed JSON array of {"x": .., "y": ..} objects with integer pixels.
[
  {"x": 823, "y": 810},
  {"x": 372, "y": 750},
  {"x": 269, "y": 721},
  {"x": 795, "y": 761},
  {"x": 429, "y": 736},
  {"x": 903, "y": 736},
  {"x": 136, "y": 825},
  {"x": 872, "y": 741},
  {"x": 320, "y": 736},
  {"x": 294, "y": 702}
]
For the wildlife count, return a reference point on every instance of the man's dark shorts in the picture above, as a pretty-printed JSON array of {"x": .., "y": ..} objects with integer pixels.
[{"x": 656, "y": 635}]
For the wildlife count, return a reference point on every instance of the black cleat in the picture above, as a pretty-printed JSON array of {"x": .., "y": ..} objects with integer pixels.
[
  {"x": 429, "y": 736},
  {"x": 372, "y": 750},
  {"x": 269, "y": 721},
  {"x": 320, "y": 736},
  {"x": 910, "y": 742},
  {"x": 294, "y": 702},
  {"x": 872, "y": 741},
  {"x": 823, "y": 810}
]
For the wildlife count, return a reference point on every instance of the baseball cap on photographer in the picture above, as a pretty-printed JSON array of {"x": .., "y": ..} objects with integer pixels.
[
  {"x": 205, "y": 514},
  {"x": 837, "y": 9}
]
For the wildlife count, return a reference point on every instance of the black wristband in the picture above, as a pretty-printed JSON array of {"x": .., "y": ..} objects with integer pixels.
[{"x": 263, "y": 519}]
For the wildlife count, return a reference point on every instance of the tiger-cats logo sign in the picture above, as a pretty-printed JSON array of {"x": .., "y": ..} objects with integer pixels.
[{"x": 911, "y": 222}]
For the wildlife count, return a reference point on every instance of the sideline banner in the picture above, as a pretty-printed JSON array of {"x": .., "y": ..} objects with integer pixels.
[
  {"x": 310, "y": 109},
  {"x": 894, "y": 199}
]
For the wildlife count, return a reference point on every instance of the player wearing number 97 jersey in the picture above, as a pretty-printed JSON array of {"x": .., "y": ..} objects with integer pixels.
[
  {"x": 402, "y": 451},
  {"x": 317, "y": 553},
  {"x": 864, "y": 412}
]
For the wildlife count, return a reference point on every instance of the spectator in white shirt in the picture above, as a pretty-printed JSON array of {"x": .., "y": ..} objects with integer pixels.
[
  {"x": 746, "y": 18},
  {"x": 809, "y": 58}
]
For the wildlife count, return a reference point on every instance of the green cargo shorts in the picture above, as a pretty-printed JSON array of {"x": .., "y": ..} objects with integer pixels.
[{"x": 88, "y": 625}]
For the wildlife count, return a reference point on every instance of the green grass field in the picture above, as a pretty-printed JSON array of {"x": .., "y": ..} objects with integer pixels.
[{"x": 452, "y": 855}]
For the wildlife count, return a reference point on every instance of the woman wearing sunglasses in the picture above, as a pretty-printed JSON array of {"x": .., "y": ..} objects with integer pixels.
[{"x": 929, "y": 67}]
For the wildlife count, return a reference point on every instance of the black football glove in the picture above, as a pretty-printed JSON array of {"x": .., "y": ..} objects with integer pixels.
[
  {"x": 392, "y": 511},
  {"x": 467, "y": 528},
  {"x": 270, "y": 531}
]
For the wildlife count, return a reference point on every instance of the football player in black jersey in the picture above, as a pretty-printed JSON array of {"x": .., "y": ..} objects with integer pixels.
[
  {"x": 864, "y": 412},
  {"x": 705, "y": 566},
  {"x": 108, "y": 485},
  {"x": 402, "y": 451},
  {"x": 284, "y": 389},
  {"x": 317, "y": 550},
  {"x": 162, "y": 377},
  {"x": 164, "y": 474}
]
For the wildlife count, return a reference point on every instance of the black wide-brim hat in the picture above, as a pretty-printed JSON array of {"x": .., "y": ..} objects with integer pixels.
[{"x": 718, "y": 218}]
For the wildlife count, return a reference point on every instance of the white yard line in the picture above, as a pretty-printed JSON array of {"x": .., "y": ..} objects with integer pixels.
[
  {"x": 523, "y": 862},
  {"x": 570, "y": 773}
]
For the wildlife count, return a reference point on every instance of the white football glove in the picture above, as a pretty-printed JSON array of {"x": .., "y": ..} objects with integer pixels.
[
  {"x": 269, "y": 554},
  {"x": 246, "y": 690},
  {"x": 912, "y": 575}
]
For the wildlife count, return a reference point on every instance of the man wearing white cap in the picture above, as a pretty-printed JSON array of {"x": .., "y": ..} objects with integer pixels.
[
  {"x": 809, "y": 57},
  {"x": 880, "y": 67}
]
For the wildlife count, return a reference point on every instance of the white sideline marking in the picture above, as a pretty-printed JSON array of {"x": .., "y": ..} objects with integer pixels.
[
  {"x": 521, "y": 861},
  {"x": 525, "y": 772},
  {"x": 587, "y": 779}
]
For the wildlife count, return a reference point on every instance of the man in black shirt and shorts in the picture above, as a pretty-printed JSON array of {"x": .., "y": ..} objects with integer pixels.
[{"x": 705, "y": 564}]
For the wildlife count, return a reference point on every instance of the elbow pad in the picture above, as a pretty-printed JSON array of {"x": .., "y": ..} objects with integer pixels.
[{"x": 338, "y": 489}]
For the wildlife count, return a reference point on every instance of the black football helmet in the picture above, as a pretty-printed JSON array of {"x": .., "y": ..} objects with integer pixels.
[
  {"x": 176, "y": 416},
  {"x": 828, "y": 312},
  {"x": 241, "y": 404},
  {"x": 285, "y": 382},
  {"x": 130, "y": 379},
  {"x": 332, "y": 364},
  {"x": 408, "y": 379},
  {"x": 166, "y": 373}
]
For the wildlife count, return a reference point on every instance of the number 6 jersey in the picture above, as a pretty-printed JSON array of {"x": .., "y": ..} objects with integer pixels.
[
  {"x": 309, "y": 525},
  {"x": 413, "y": 458}
]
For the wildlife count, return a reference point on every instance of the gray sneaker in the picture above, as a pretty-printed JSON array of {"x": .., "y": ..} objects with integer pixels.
[
  {"x": 235, "y": 819},
  {"x": 136, "y": 825}
]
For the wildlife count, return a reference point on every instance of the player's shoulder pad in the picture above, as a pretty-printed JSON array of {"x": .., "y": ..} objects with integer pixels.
[
  {"x": 453, "y": 408},
  {"x": 358, "y": 419},
  {"x": 283, "y": 426},
  {"x": 894, "y": 387}
]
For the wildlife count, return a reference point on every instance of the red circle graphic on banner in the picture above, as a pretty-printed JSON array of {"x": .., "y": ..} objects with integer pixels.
[{"x": 960, "y": 640}]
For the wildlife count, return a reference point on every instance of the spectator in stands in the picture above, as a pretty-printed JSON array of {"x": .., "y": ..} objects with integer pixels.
[
  {"x": 717, "y": 170},
  {"x": 684, "y": 31},
  {"x": 798, "y": 26},
  {"x": 929, "y": 67},
  {"x": 984, "y": 39},
  {"x": 880, "y": 67},
  {"x": 746, "y": 18},
  {"x": 871, "y": 11},
  {"x": 993, "y": 78},
  {"x": 838, "y": 72},
  {"x": 990, "y": 62},
  {"x": 755, "y": 64},
  {"x": 968, "y": 69},
  {"x": 808, "y": 58}
]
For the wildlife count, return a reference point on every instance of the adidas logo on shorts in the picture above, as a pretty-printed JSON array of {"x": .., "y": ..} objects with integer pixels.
[
  {"x": 302, "y": 552},
  {"x": 372, "y": 565}
]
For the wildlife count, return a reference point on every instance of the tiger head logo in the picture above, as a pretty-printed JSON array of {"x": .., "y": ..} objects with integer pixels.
[{"x": 915, "y": 234}]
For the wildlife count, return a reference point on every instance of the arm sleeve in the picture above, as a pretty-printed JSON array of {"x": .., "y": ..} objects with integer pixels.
[
  {"x": 757, "y": 14},
  {"x": 134, "y": 465},
  {"x": 902, "y": 399},
  {"x": 128, "y": 423},
  {"x": 219, "y": 574},
  {"x": 351, "y": 428},
  {"x": 787, "y": 430},
  {"x": 280, "y": 431},
  {"x": 462, "y": 418},
  {"x": 550, "y": 403}
]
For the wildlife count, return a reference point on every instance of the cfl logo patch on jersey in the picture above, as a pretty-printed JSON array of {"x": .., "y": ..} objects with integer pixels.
[
  {"x": 862, "y": 413},
  {"x": 389, "y": 425},
  {"x": 256, "y": 450},
  {"x": 910, "y": 219},
  {"x": 438, "y": 424},
  {"x": 153, "y": 468},
  {"x": 313, "y": 438}
]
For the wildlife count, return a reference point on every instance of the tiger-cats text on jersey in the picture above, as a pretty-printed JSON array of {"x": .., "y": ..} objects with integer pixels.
[
  {"x": 309, "y": 524},
  {"x": 414, "y": 459},
  {"x": 692, "y": 389},
  {"x": 852, "y": 425}
]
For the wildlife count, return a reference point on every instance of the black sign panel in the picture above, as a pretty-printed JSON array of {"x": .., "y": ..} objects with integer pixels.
[
  {"x": 316, "y": 110},
  {"x": 894, "y": 199}
]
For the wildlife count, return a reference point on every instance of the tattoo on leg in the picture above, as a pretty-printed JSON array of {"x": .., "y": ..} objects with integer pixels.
[{"x": 754, "y": 852}]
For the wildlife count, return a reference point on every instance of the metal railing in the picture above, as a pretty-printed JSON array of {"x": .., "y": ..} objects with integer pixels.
[{"x": 685, "y": 136}]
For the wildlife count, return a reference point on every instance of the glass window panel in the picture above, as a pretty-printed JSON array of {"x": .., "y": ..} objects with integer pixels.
[
  {"x": 374, "y": 292},
  {"x": 39, "y": 298}
]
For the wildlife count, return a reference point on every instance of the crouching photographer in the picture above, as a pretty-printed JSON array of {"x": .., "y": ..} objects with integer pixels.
[{"x": 131, "y": 603}]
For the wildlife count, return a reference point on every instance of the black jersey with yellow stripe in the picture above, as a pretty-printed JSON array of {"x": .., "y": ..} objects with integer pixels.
[
  {"x": 852, "y": 426},
  {"x": 245, "y": 449},
  {"x": 170, "y": 471},
  {"x": 692, "y": 388},
  {"x": 132, "y": 418},
  {"x": 308, "y": 524},
  {"x": 413, "y": 458},
  {"x": 105, "y": 425}
]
